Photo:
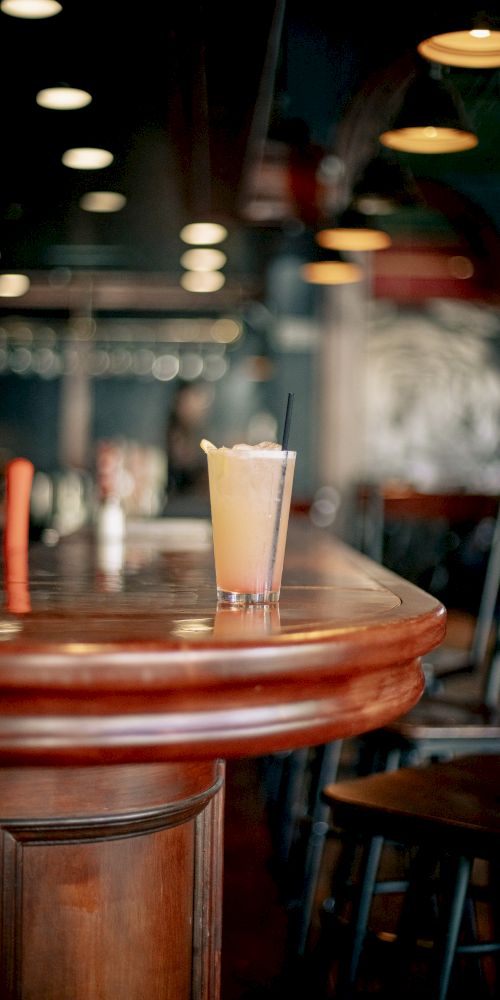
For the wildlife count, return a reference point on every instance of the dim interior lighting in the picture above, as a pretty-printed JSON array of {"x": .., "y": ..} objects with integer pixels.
[
  {"x": 432, "y": 120},
  {"x": 203, "y": 233},
  {"x": 203, "y": 259},
  {"x": 215, "y": 367},
  {"x": 102, "y": 201},
  {"x": 331, "y": 272},
  {"x": 165, "y": 367},
  {"x": 428, "y": 139},
  {"x": 352, "y": 233},
  {"x": 13, "y": 285},
  {"x": 257, "y": 368},
  {"x": 87, "y": 158},
  {"x": 353, "y": 239},
  {"x": 460, "y": 267},
  {"x": 202, "y": 281},
  {"x": 191, "y": 366},
  {"x": 375, "y": 204},
  {"x": 475, "y": 49},
  {"x": 30, "y": 8},
  {"x": 225, "y": 331},
  {"x": 63, "y": 98}
]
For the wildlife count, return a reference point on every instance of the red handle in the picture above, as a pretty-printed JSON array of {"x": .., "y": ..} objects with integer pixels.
[{"x": 19, "y": 479}]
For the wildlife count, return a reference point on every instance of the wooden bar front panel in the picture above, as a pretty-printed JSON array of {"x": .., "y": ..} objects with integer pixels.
[{"x": 107, "y": 905}]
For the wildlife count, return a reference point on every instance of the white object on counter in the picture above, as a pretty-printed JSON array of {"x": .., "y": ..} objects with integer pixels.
[
  {"x": 110, "y": 534},
  {"x": 110, "y": 524}
]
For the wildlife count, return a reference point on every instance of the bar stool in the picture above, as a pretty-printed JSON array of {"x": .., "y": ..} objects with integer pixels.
[
  {"x": 298, "y": 820},
  {"x": 448, "y": 814},
  {"x": 447, "y": 721},
  {"x": 457, "y": 715},
  {"x": 454, "y": 715}
]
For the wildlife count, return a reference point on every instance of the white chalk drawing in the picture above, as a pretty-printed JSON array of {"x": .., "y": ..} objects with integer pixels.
[{"x": 432, "y": 395}]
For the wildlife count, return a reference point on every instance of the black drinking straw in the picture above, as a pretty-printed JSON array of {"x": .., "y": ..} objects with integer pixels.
[
  {"x": 288, "y": 418},
  {"x": 279, "y": 505}
]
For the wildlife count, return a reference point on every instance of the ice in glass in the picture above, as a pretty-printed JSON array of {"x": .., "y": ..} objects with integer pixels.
[{"x": 250, "y": 493}]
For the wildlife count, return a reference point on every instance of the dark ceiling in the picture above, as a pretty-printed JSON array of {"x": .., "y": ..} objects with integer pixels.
[{"x": 214, "y": 109}]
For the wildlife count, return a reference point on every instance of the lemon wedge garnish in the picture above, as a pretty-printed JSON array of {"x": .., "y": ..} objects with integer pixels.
[{"x": 207, "y": 446}]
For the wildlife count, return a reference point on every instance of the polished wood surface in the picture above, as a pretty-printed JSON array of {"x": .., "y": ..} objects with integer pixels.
[
  {"x": 142, "y": 665},
  {"x": 452, "y": 803},
  {"x": 111, "y": 882},
  {"x": 121, "y": 689}
]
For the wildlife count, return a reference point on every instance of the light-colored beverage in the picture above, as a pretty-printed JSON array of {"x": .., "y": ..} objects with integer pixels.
[{"x": 250, "y": 493}]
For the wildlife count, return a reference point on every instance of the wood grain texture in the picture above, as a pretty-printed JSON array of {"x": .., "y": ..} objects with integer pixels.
[
  {"x": 122, "y": 897},
  {"x": 112, "y": 873},
  {"x": 153, "y": 670}
]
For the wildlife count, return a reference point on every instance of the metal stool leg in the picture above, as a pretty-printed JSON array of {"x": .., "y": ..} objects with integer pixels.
[
  {"x": 361, "y": 912},
  {"x": 417, "y": 909},
  {"x": 450, "y": 922},
  {"x": 320, "y": 811}
]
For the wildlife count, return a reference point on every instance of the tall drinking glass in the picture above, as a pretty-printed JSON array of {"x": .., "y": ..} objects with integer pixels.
[{"x": 250, "y": 493}]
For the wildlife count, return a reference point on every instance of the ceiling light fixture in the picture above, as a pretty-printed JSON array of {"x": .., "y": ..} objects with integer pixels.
[
  {"x": 431, "y": 120},
  {"x": 334, "y": 271},
  {"x": 203, "y": 259},
  {"x": 87, "y": 158},
  {"x": 352, "y": 233},
  {"x": 202, "y": 281},
  {"x": 32, "y": 9},
  {"x": 203, "y": 233},
  {"x": 225, "y": 330},
  {"x": 63, "y": 98},
  {"x": 475, "y": 49},
  {"x": 102, "y": 201},
  {"x": 13, "y": 285}
]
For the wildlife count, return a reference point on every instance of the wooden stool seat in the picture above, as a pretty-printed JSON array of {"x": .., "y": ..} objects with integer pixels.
[{"x": 456, "y": 803}]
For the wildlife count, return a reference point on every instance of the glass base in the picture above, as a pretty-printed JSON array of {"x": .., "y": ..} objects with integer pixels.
[{"x": 237, "y": 597}]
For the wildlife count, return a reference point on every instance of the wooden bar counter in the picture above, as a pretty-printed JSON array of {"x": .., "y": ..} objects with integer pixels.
[{"x": 122, "y": 693}]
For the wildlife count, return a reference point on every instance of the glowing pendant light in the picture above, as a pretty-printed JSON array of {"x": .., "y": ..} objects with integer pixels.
[{"x": 432, "y": 119}]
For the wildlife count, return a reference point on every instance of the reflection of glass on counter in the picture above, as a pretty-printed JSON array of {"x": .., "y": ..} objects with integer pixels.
[
  {"x": 110, "y": 558},
  {"x": 247, "y": 622}
]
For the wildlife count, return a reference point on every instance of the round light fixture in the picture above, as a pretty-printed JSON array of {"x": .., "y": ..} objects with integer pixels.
[
  {"x": 202, "y": 281},
  {"x": 353, "y": 238},
  {"x": 225, "y": 330},
  {"x": 63, "y": 98},
  {"x": 432, "y": 118},
  {"x": 476, "y": 49},
  {"x": 203, "y": 259},
  {"x": 102, "y": 201},
  {"x": 13, "y": 285},
  {"x": 87, "y": 158},
  {"x": 203, "y": 233},
  {"x": 331, "y": 272},
  {"x": 32, "y": 9},
  {"x": 428, "y": 139}
]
